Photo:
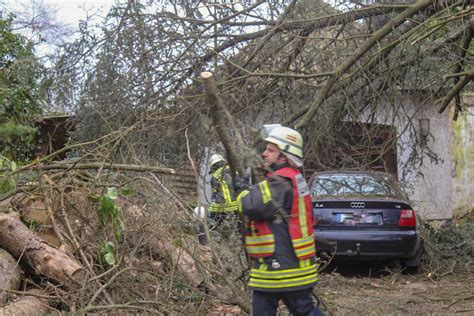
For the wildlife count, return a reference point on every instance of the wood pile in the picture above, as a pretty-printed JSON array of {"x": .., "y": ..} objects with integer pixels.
[{"x": 51, "y": 244}]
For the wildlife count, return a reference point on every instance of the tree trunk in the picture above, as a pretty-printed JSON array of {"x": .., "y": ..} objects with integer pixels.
[
  {"x": 26, "y": 305},
  {"x": 163, "y": 244},
  {"x": 46, "y": 260},
  {"x": 10, "y": 275}
]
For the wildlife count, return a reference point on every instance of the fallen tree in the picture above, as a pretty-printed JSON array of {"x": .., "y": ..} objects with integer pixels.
[
  {"x": 45, "y": 260},
  {"x": 31, "y": 303},
  {"x": 121, "y": 249},
  {"x": 157, "y": 265},
  {"x": 10, "y": 275}
]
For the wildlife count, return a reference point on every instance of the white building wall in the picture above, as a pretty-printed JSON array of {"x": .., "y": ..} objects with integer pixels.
[
  {"x": 432, "y": 183},
  {"x": 462, "y": 139},
  {"x": 427, "y": 178}
]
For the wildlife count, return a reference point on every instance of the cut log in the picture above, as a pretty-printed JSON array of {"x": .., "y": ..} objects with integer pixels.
[
  {"x": 180, "y": 258},
  {"x": 29, "y": 304},
  {"x": 46, "y": 260},
  {"x": 10, "y": 275},
  {"x": 33, "y": 211},
  {"x": 162, "y": 244}
]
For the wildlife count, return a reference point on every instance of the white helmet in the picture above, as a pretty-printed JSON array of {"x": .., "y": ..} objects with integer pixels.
[
  {"x": 288, "y": 141},
  {"x": 215, "y": 158}
]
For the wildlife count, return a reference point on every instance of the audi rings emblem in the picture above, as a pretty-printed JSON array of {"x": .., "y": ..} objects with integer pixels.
[{"x": 357, "y": 204}]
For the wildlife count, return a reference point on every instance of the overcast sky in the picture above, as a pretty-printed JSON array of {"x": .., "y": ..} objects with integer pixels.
[
  {"x": 74, "y": 10},
  {"x": 68, "y": 11}
]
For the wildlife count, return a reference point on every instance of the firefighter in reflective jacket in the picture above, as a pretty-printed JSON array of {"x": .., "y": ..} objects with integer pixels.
[
  {"x": 222, "y": 191},
  {"x": 279, "y": 233}
]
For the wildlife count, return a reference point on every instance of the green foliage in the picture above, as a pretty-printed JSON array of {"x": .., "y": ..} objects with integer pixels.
[
  {"x": 455, "y": 241},
  {"x": 20, "y": 93},
  {"x": 107, "y": 254},
  {"x": 108, "y": 212},
  {"x": 33, "y": 225},
  {"x": 126, "y": 192},
  {"x": 7, "y": 184},
  {"x": 177, "y": 242},
  {"x": 17, "y": 140},
  {"x": 7, "y": 181},
  {"x": 466, "y": 218}
]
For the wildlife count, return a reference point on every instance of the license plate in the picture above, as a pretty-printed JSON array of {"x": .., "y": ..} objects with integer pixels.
[{"x": 352, "y": 219}]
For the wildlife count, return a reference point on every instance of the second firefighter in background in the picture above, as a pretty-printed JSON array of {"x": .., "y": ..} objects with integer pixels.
[{"x": 223, "y": 201}]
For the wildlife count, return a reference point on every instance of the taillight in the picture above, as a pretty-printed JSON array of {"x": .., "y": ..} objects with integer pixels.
[{"x": 407, "y": 218}]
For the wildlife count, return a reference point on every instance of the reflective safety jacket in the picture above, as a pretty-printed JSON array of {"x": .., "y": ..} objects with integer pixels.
[
  {"x": 222, "y": 194},
  {"x": 283, "y": 248}
]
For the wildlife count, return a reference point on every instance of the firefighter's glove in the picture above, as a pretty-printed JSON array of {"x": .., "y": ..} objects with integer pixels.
[{"x": 242, "y": 183}]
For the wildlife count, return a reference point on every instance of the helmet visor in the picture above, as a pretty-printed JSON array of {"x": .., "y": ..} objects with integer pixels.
[{"x": 266, "y": 129}]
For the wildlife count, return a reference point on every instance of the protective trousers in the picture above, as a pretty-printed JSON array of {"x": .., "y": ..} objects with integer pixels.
[{"x": 299, "y": 303}]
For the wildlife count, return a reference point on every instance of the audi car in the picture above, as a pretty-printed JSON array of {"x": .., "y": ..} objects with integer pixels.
[{"x": 364, "y": 216}]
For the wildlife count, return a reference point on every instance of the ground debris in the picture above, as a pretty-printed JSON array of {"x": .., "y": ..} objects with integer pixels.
[
  {"x": 136, "y": 261},
  {"x": 445, "y": 284}
]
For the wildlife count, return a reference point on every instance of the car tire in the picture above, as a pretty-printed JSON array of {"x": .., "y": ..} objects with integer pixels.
[{"x": 413, "y": 264}]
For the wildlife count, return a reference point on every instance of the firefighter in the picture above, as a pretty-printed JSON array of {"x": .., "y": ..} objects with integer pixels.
[
  {"x": 223, "y": 204},
  {"x": 279, "y": 230}
]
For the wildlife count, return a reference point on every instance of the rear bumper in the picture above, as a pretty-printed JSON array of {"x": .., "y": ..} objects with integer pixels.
[{"x": 370, "y": 245}]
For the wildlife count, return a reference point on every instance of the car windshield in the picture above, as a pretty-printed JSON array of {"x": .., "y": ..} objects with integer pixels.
[{"x": 352, "y": 184}]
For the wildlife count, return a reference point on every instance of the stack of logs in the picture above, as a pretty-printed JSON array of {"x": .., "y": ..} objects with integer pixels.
[
  {"x": 20, "y": 247},
  {"x": 38, "y": 252}
]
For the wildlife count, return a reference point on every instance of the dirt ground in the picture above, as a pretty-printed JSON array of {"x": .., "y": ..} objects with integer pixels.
[
  {"x": 365, "y": 289},
  {"x": 373, "y": 289}
]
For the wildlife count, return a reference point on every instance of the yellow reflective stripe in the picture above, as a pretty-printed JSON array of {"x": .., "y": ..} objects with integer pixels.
[
  {"x": 273, "y": 284},
  {"x": 265, "y": 249},
  {"x": 282, "y": 274},
  {"x": 216, "y": 207},
  {"x": 305, "y": 263},
  {"x": 260, "y": 249},
  {"x": 303, "y": 241},
  {"x": 226, "y": 191},
  {"x": 265, "y": 191},
  {"x": 263, "y": 266},
  {"x": 228, "y": 205},
  {"x": 220, "y": 208},
  {"x": 304, "y": 251},
  {"x": 239, "y": 199},
  {"x": 249, "y": 240},
  {"x": 218, "y": 173},
  {"x": 302, "y": 216}
]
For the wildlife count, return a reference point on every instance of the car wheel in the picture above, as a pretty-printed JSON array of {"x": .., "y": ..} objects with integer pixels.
[
  {"x": 393, "y": 266},
  {"x": 413, "y": 264}
]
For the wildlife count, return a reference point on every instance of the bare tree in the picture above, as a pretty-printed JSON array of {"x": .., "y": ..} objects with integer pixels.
[
  {"x": 133, "y": 84},
  {"x": 303, "y": 62},
  {"x": 38, "y": 21}
]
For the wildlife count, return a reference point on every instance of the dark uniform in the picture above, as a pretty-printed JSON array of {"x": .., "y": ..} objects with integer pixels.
[
  {"x": 222, "y": 195},
  {"x": 279, "y": 238}
]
